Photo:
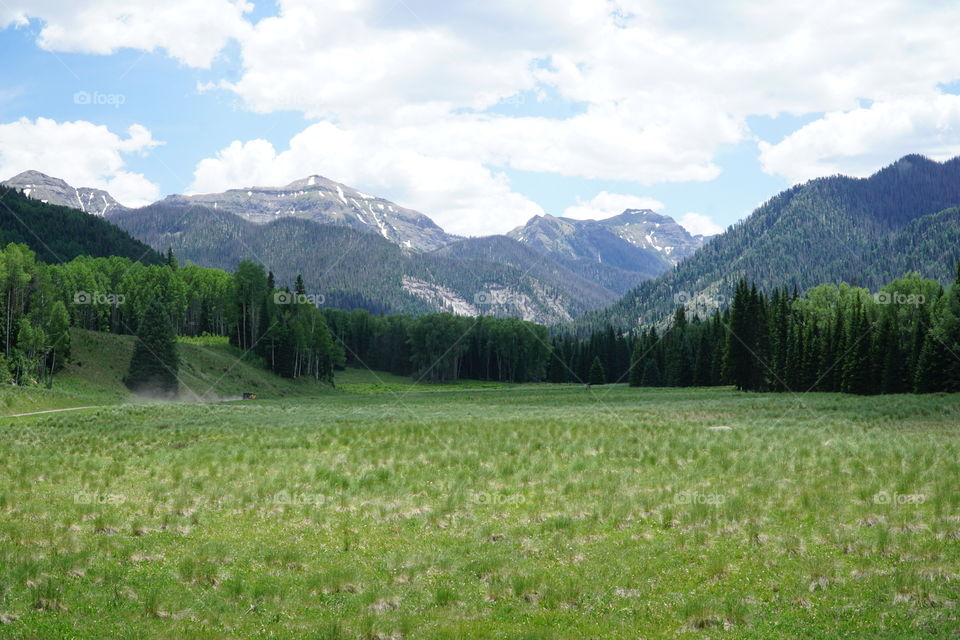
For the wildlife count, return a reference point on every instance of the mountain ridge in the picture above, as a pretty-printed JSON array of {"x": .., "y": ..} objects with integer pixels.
[
  {"x": 51, "y": 190},
  {"x": 827, "y": 230},
  {"x": 555, "y": 269},
  {"x": 355, "y": 269},
  {"x": 322, "y": 200}
]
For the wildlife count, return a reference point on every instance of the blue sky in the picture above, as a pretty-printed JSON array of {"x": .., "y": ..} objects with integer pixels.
[{"x": 478, "y": 114}]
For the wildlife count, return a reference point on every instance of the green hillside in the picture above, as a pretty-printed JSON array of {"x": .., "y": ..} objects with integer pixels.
[
  {"x": 59, "y": 234},
  {"x": 210, "y": 370}
]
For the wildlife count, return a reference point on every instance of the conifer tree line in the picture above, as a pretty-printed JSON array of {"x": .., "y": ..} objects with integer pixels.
[
  {"x": 443, "y": 347},
  {"x": 905, "y": 338}
]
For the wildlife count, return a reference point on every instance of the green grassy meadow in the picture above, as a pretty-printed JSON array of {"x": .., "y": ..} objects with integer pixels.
[{"x": 388, "y": 510}]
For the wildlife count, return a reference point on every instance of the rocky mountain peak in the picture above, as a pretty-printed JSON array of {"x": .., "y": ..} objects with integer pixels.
[
  {"x": 322, "y": 200},
  {"x": 656, "y": 234},
  {"x": 40, "y": 186}
]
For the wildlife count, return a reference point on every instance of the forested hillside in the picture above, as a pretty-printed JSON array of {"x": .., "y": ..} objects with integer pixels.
[
  {"x": 350, "y": 268},
  {"x": 864, "y": 232},
  {"x": 357, "y": 270},
  {"x": 58, "y": 233},
  {"x": 472, "y": 263}
]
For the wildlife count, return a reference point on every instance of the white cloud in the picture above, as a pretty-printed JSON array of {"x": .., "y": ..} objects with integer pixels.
[
  {"x": 606, "y": 204},
  {"x": 664, "y": 88},
  {"x": 366, "y": 58},
  {"x": 859, "y": 141},
  {"x": 82, "y": 153},
  {"x": 462, "y": 196},
  {"x": 190, "y": 31},
  {"x": 699, "y": 224}
]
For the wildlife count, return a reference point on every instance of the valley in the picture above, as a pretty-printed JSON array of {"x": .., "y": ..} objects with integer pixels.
[
  {"x": 418, "y": 320},
  {"x": 386, "y": 511}
]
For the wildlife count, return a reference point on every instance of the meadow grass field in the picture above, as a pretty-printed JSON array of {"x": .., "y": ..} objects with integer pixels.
[{"x": 383, "y": 511}]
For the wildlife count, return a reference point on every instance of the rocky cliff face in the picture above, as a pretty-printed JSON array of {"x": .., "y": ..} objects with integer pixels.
[
  {"x": 40, "y": 186},
  {"x": 321, "y": 200}
]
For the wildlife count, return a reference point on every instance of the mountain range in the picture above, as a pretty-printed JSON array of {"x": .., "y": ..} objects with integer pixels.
[
  {"x": 361, "y": 251},
  {"x": 862, "y": 231}
]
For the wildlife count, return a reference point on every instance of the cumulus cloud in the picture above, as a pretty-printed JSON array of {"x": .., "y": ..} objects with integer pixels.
[
  {"x": 80, "y": 152},
  {"x": 462, "y": 196},
  {"x": 661, "y": 90},
  {"x": 189, "y": 31},
  {"x": 699, "y": 224},
  {"x": 859, "y": 141},
  {"x": 365, "y": 58},
  {"x": 606, "y": 204}
]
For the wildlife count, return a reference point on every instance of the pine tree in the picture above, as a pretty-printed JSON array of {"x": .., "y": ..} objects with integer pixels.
[
  {"x": 779, "y": 339},
  {"x": 888, "y": 358},
  {"x": 651, "y": 374},
  {"x": 637, "y": 360},
  {"x": 857, "y": 372},
  {"x": 835, "y": 358},
  {"x": 154, "y": 364},
  {"x": 557, "y": 369},
  {"x": 746, "y": 343},
  {"x": 930, "y": 366},
  {"x": 810, "y": 358},
  {"x": 678, "y": 365},
  {"x": 760, "y": 355},
  {"x": 793, "y": 359},
  {"x": 702, "y": 360},
  {"x": 597, "y": 374}
]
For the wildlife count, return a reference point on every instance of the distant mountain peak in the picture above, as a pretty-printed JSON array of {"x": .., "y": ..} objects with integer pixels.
[
  {"x": 641, "y": 229},
  {"x": 643, "y": 212},
  {"x": 325, "y": 201},
  {"x": 51, "y": 190},
  {"x": 310, "y": 182}
]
